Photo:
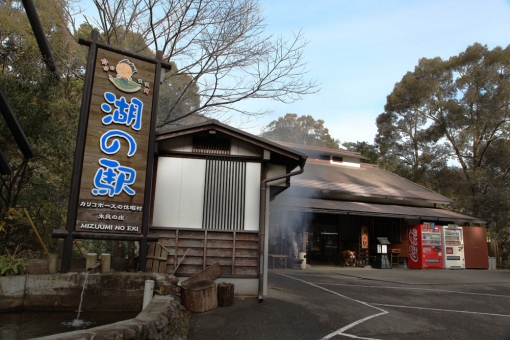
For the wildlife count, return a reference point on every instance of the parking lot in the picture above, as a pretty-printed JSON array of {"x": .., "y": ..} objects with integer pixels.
[{"x": 359, "y": 303}]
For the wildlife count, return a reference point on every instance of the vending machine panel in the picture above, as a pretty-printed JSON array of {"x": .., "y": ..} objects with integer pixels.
[
  {"x": 425, "y": 246},
  {"x": 453, "y": 241}
]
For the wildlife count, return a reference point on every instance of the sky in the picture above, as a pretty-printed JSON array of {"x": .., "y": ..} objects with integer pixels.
[{"x": 359, "y": 49}]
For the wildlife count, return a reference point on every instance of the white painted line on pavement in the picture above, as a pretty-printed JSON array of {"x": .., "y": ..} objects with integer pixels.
[
  {"x": 441, "y": 310},
  {"x": 428, "y": 289},
  {"x": 349, "y": 326},
  {"x": 343, "y": 329}
]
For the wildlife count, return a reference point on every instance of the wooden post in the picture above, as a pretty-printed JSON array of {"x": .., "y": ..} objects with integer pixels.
[
  {"x": 52, "y": 263},
  {"x": 36, "y": 232},
  {"x": 225, "y": 294},
  {"x": 79, "y": 249},
  {"x": 105, "y": 263},
  {"x": 75, "y": 242},
  {"x": 90, "y": 261},
  {"x": 74, "y": 194}
]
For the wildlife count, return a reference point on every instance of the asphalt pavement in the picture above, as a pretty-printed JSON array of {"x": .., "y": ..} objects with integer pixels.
[{"x": 364, "y": 303}]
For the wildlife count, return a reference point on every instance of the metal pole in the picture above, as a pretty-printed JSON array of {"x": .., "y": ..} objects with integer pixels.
[{"x": 40, "y": 36}]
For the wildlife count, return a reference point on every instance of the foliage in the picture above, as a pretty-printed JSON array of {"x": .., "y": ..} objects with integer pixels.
[
  {"x": 176, "y": 99},
  {"x": 10, "y": 265},
  {"x": 176, "y": 96},
  {"x": 47, "y": 110},
  {"x": 300, "y": 130},
  {"x": 446, "y": 124},
  {"x": 220, "y": 48},
  {"x": 367, "y": 150}
]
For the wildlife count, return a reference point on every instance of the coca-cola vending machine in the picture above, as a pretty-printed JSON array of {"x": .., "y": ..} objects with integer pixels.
[{"x": 425, "y": 247}]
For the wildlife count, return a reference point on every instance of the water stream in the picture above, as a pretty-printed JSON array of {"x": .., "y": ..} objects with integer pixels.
[
  {"x": 77, "y": 322},
  {"x": 31, "y": 324}
]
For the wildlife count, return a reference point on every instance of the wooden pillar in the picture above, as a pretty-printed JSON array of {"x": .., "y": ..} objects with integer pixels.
[{"x": 78, "y": 155}]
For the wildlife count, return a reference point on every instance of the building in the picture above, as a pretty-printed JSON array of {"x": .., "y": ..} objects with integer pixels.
[
  {"x": 224, "y": 195},
  {"x": 338, "y": 198},
  {"x": 213, "y": 184}
]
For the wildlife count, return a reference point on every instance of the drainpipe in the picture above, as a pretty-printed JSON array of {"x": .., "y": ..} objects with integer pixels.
[{"x": 262, "y": 220}]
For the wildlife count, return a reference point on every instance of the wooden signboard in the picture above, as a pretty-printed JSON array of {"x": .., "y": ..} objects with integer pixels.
[
  {"x": 115, "y": 158},
  {"x": 113, "y": 163},
  {"x": 364, "y": 237}
]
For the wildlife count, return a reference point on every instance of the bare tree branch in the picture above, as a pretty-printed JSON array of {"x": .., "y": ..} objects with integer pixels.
[{"x": 218, "y": 45}]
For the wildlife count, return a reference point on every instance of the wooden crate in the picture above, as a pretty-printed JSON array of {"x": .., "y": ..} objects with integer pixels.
[{"x": 157, "y": 257}]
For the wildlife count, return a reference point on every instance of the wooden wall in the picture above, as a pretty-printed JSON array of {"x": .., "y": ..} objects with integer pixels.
[
  {"x": 403, "y": 245},
  {"x": 236, "y": 251}
]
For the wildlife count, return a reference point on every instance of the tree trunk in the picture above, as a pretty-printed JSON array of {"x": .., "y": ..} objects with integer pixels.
[
  {"x": 225, "y": 294},
  {"x": 200, "y": 296}
]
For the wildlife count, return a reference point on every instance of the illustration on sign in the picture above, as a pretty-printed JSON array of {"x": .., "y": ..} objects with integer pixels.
[{"x": 124, "y": 81}]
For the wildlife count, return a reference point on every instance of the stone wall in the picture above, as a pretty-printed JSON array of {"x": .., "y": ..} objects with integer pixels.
[
  {"x": 110, "y": 292},
  {"x": 163, "y": 319}
]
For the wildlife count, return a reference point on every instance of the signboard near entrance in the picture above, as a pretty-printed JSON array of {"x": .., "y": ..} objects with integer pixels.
[
  {"x": 364, "y": 237},
  {"x": 114, "y": 167}
]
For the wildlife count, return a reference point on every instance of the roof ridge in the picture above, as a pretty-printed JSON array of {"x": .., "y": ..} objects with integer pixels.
[{"x": 318, "y": 148}]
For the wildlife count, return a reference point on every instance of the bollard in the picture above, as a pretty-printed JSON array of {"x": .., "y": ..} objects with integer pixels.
[
  {"x": 52, "y": 263},
  {"x": 105, "y": 263},
  {"x": 90, "y": 261},
  {"x": 148, "y": 293}
]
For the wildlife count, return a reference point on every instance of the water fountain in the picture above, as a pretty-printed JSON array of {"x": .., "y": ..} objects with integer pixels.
[
  {"x": 43, "y": 304},
  {"x": 77, "y": 322}
]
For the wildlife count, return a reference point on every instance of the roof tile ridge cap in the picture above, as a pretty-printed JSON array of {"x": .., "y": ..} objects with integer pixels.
[
  {"x": 421, "y": 186},
  {"x": 339, "y": 150}
]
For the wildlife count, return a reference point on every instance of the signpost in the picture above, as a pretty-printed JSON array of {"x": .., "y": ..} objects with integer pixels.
[{"x": 114, "y": 158}]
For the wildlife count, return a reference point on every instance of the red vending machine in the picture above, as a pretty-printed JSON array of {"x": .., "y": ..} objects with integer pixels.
[{"x": 425, "y": 247}]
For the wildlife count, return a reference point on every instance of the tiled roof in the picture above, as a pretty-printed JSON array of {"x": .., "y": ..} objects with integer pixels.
[{"x": 362, "y": 181}]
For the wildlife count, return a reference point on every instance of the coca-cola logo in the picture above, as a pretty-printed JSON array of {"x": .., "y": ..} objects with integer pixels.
[{"x": 413, "y": 244}]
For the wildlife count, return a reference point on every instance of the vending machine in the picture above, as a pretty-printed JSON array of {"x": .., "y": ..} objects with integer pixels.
[
  {"x": 425, "y": 247},
  {"x": 453, "y": 241}
]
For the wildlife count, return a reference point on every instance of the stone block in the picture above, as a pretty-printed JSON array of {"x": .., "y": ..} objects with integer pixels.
[{"x": 128, "y": 334}]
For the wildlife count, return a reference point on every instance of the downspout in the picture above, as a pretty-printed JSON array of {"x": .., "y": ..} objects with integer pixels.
[{"x": 262, "y": 220}]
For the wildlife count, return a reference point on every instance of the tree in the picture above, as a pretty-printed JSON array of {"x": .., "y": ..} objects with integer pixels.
[
  {"x": 300, "y": 130},
  {"x": 367, "y": 150},
  {"x": 176, "y": 97},
  {"x": 451, "y": 117},
  {"x": 47, "y": 110},
  {"x": 219, "y": 47}
]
